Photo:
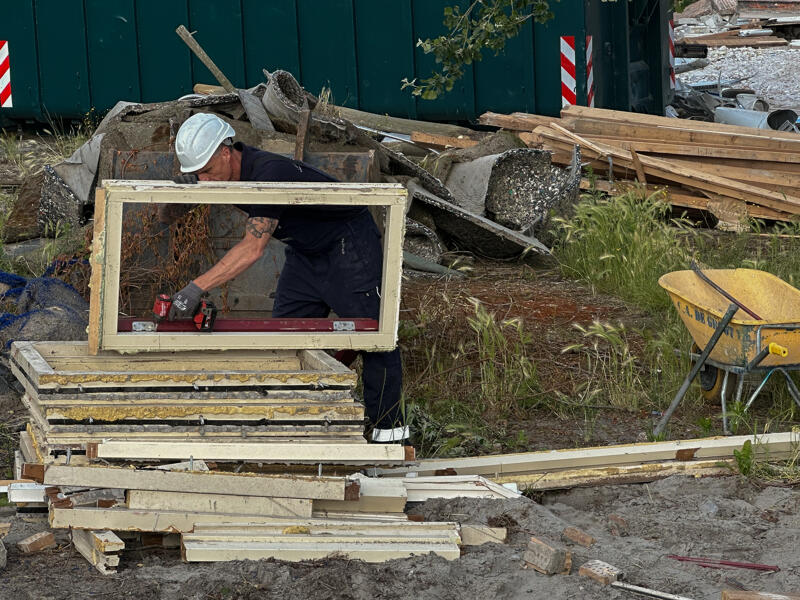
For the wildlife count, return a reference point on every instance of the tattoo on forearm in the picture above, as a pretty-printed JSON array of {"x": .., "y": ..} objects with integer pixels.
[{"x": 261, "y": 226}]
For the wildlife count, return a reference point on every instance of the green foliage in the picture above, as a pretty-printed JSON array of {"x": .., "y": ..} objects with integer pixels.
[
  {"x": 463, "y": 386},
  {"x": 615, "y": 377},
  {"x": 745, "y": 458},
  {"x": 622, "y": 245},
  {"x": 485, "y": 24}
]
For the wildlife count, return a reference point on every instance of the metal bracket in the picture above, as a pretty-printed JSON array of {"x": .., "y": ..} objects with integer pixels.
[{"x": 344, "y": 326}]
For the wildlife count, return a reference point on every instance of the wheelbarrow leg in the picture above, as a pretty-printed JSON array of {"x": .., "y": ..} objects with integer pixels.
[
  {"x": 696, "y": 369},
  {"x": 724, "y": 402},
  {"x": 791, "y": 385},
  {"x": 759, "y": 388}
]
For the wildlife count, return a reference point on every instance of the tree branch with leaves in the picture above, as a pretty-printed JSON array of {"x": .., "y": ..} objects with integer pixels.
[{"x": 485, "y": 24}]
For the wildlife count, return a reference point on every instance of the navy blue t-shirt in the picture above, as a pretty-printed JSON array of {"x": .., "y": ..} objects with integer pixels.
[{"x": 306, "y": 228}]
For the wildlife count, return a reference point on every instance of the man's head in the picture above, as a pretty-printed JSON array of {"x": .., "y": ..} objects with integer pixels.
[{"x": 203, "y": 147}]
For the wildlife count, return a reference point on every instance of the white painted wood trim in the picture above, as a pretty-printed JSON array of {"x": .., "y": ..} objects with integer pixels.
[
  {"x": 776, "y": 444},
  {"x": 245, "y": 484},
  {"x": 273, "y": 452}
]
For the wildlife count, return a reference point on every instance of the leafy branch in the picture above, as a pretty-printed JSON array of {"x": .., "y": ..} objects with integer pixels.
[{"x": 484, "y": 24}]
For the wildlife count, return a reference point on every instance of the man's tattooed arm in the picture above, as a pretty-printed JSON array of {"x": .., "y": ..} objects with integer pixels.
[{"x": 261, "y": 226}]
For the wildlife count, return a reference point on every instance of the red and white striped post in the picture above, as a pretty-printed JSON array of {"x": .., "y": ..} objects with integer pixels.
[
  {"x": 589, "y": 73},
  {"x": 671, "y": 54},
  {"x": 5, "y": 76},
  {"x": 568, "y": 90}
]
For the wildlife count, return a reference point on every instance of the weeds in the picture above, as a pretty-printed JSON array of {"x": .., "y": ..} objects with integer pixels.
[
  {"x": 622, "y": 246},
  {"x": 614, "y": 375}
]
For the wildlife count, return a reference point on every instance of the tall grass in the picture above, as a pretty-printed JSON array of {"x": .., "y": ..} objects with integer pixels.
[
  {"x": 463, "y": 384},
  {"x": 621, "y": 246}
]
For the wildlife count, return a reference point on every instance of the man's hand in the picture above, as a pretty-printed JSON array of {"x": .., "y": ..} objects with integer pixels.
[
  {"x": 185, "y": 302},
  {"x": 185, "y": 178}
]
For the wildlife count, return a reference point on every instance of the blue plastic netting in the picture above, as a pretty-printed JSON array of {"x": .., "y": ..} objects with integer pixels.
[{"x": 40, "y": 309}]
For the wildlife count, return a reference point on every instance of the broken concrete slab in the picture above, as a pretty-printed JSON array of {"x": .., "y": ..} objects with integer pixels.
[
  {"x": 59, "y": 206},
  {"x": 517, "y": 189},
  {"x": 422, "y": 241},
  {"x": 474, "y": 232}
]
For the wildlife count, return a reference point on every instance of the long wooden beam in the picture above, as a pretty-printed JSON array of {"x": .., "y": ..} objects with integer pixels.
[
  {"x": 269, "y": 453},
  {"x": 681, "y": 131},
  {"x": 219, "y": 503},
  {"x": 776, "y": 445},
  {"x": 617, "y": 116},
  {"x": 247, "y": 484}
]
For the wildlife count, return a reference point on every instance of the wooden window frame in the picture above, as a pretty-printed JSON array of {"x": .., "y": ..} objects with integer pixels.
[{"x": 106, "y": 247}]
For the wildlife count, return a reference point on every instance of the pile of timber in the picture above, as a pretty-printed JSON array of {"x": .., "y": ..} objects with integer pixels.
[
  {"x": 736, "y": 37},
  {"x": 245, "y": 454},
  {"x": 731, "y": 171}
]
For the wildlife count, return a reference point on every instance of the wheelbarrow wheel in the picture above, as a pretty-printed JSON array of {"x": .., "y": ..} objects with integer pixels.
[{"x": 710, "y": 379}]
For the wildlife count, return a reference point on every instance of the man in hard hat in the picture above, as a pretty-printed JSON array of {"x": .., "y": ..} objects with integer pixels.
[{"x": 333, "y": 254}]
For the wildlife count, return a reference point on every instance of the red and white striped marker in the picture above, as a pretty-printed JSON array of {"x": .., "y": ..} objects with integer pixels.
[
  {"x": 5, "y": 76},
  {"x": 568, "y": 90},
  {"x": 589, "y": 73},
  {"x": 671, "y": 54}
]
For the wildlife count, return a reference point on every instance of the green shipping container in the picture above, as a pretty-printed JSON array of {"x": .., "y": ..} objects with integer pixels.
[{"x": 70, "y": 57}]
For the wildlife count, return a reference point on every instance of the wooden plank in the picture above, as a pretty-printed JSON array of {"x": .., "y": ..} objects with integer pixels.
[
  {"x": 244, "y": 484},
  {"x": 268, "y": 453},
  {"x": 516, "y": 121},
  {"x": 777, "y": 445},
  {"x": 200, "y": 398},
  {"x": 681, "y": 131},
  {"x": 742, "y": 595},
  {"x": 694, "y": 178},
  {"x": 683, "y": 199},
  {"x": 163, "y": 521},
  {"x": 26, "y": 492},
  {"x": 442, "y": 142},
  {"x": 372, "y": 524},
  {"x": 319, "y": 360},
  {"x": 376, "y": 495},
  {"x": 221, "y": 551},
  {"x": 97, "y": 261},
  {"x": 219, "y": 503},
  {"x": 112, "y": 412},
  {"x": 90, "y": 545},
  {"x": 602, "y": 114},
  {"x": 476, "y": 535},
  {"x": 689, "y": 149},
  {"x": 301, "y": 138},
  {"x": 303, "y": 535}
]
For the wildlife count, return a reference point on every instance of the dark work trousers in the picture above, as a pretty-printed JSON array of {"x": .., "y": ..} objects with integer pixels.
[{"x": 346, "y": 279}]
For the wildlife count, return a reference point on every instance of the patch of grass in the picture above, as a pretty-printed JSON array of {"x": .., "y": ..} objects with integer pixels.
[
  {"x": 622, "y": 245},
  {"x": 463, "y": 384}
]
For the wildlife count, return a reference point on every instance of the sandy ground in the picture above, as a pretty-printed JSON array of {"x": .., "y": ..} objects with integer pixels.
[{"x": 726, "y": 517}]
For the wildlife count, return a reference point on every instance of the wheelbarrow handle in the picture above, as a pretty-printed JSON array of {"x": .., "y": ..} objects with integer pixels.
[
  {"x": 726, "y": 319},
  {"x": 771, "y": 348},
  {"x": 705, "y": 278}
]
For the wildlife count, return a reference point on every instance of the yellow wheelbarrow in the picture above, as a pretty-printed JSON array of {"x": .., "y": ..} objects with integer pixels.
[{"x": 745, "y": 320}]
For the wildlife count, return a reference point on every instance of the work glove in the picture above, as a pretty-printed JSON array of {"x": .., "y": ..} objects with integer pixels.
[
  {"x": 185, "y": 303},
  {"x": 185, "y": 178}
]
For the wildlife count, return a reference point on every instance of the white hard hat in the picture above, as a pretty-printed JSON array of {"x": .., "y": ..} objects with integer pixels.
[{"x": 198, "y": 139}]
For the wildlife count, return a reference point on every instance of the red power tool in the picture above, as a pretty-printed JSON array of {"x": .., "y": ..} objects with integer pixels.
[{"x": 203, "y": 319}]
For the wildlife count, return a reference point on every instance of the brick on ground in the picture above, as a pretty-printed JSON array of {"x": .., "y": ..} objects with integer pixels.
[
  {"x": 548, "y": 557},
  {"x": 578, "y": 536},
  {"x": 37, "y": 542}
]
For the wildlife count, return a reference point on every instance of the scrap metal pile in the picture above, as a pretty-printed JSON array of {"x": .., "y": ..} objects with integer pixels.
[{"x": 733, "y": 172}]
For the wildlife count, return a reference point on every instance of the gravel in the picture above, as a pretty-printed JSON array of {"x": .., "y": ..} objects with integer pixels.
[{"x": 774, "y": 73}]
